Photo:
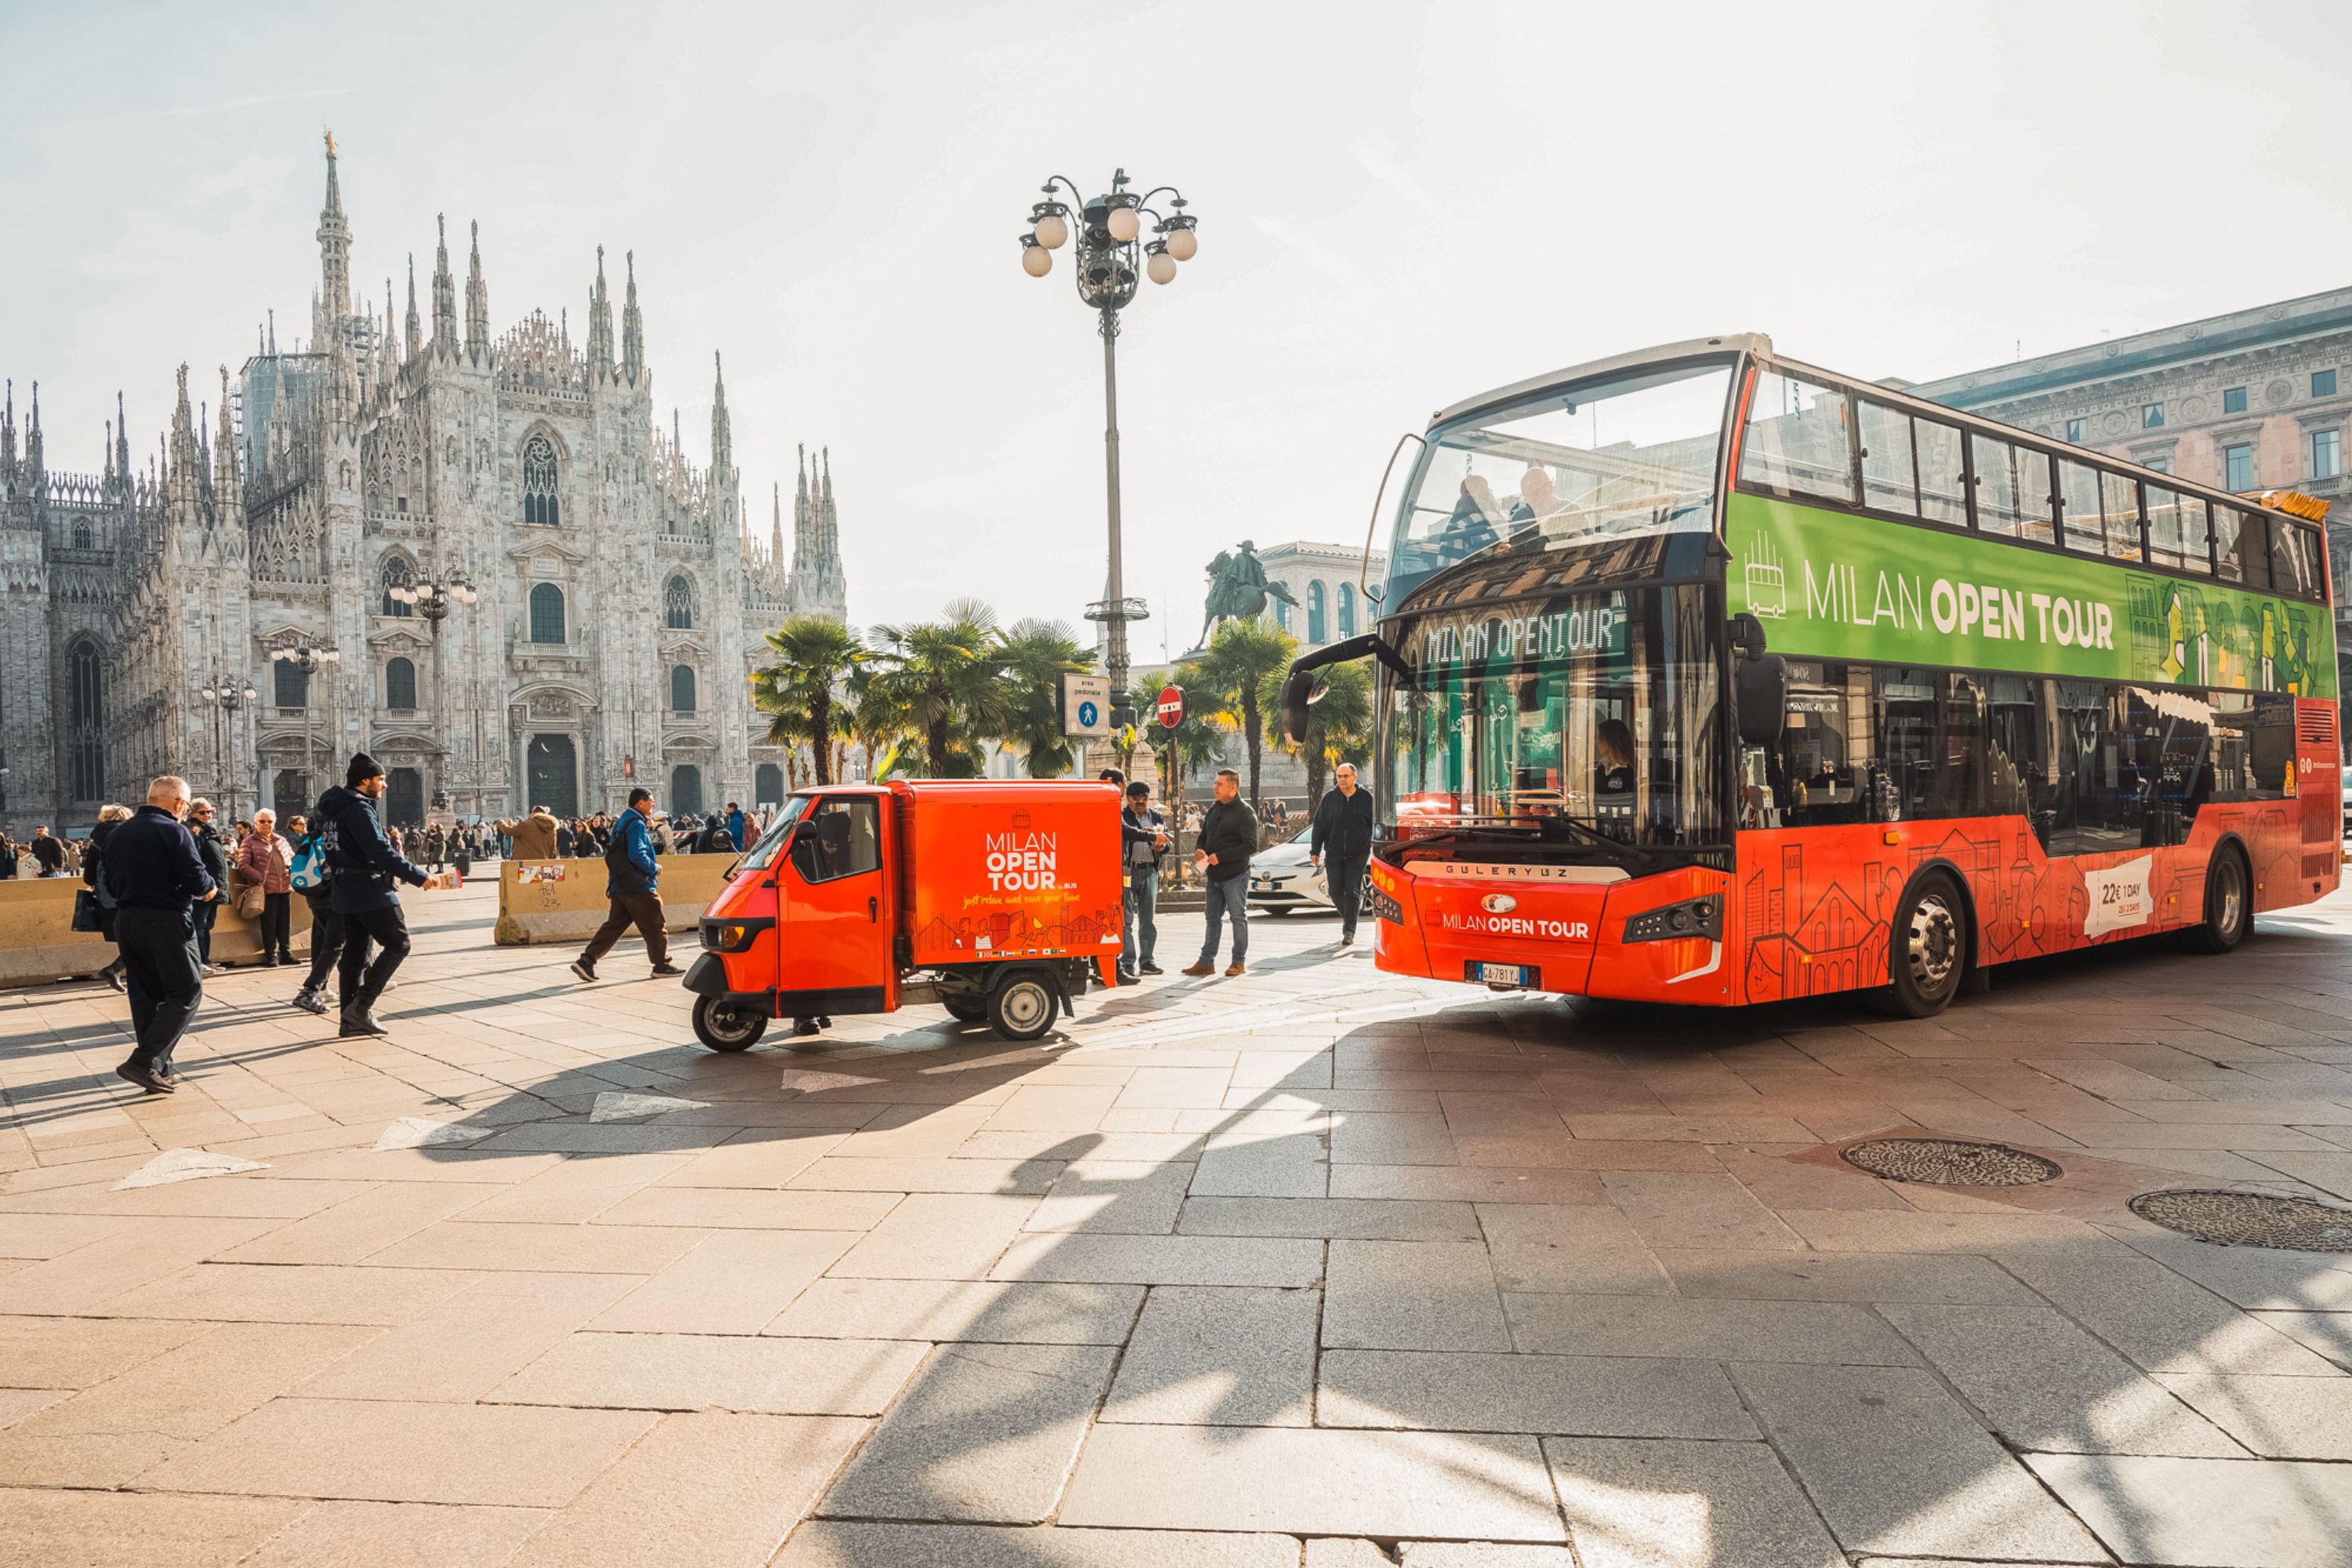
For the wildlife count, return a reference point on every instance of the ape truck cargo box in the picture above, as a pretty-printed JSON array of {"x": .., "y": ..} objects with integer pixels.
[{"x": 997, "y": 899}]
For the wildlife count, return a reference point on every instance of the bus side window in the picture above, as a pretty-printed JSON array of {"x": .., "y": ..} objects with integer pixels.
[
  {"x": 1943, "y": 481},
  {"x": 2078, "y": 492},
  {"x": 1889, "y": 481},
  {"x": 2195, "y": 546},
  {"x": 1826, "y": 773},
  {"x": 1798, "y": 439},
  {"x": 2229, "y": 533},
  {"x": 2119, "y": 499}
]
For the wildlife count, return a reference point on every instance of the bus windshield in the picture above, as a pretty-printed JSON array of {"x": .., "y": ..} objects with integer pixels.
[
  {"x": 1563, "y": 720},
  {"x": 1633, "y": 454}
]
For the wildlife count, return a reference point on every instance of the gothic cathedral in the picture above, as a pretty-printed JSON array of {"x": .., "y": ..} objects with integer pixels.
[{"x": 603, "y": 598}]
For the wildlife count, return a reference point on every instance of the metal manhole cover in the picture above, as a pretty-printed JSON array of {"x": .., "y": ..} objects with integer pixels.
[
  {"x": 2248, "y": 1219},
  {"x": 1950, "y": 1162}
]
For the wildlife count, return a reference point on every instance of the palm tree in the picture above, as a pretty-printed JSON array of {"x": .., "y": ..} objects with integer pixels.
[
  {"x": 1242, "y": 657},
  {"x": 1033, "y": 656},
  {"x": 815, "y": 654},
  {"x": 876, "y": 722},
  {"x": 942, "y": 675},
  {"x": 1338, "y": 725}
]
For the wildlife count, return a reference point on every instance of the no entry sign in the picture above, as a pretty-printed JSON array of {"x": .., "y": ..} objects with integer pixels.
[{"x": 1170, "y": 710}]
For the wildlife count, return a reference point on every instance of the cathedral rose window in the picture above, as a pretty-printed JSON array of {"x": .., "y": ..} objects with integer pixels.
[{"x": 539, "y": 504}]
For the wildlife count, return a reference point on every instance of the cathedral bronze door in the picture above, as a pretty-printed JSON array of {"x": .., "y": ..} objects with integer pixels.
[
  {"x": 553, "y": 772},
  {"x": 403, "y": 795}
]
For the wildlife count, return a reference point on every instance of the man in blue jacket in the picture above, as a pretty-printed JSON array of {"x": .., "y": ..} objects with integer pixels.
[
  {"x": 362, "y": 870},
  {"x": 156, "y": 880},
  {"x": 735, "y": 825},
  {"x": 632, "y": 874}
]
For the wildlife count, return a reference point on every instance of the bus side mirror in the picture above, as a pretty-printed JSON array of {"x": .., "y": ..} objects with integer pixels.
[
  {"x": 1301, "y": 691},
  {"x": 1747, "y": 635},
  {"x": 1761, "y": 686}
]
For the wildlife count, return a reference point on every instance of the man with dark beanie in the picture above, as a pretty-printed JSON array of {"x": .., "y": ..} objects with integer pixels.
[{"x": 365, "y": 868}]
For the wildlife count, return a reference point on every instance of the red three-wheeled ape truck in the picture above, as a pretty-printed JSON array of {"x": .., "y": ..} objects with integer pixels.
[{"x": 997, "y": 899}]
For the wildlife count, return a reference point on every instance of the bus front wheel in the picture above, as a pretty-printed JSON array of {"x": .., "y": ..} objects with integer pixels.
[
  {"x": 1930, "y": 947},
  {"x": 2228, "y": 906},
  {"x": 1022, "y": 1007}
]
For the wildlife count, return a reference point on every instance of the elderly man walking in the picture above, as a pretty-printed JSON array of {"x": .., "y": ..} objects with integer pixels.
[
  {"x": 1342, "y": 845},
  {"x": 632, "y": 874},
  {"x": 157, "y": 879}
]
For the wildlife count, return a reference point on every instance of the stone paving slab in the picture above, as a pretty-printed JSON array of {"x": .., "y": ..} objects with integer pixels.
[
  {"x": 984, "y": 1434},
  {"x": 2218, "y": 1513},
  {"x": 762, "y": 1374},
  {"x": 1224, "y": 1357},
  {"x": 1684, "y": 1505},
  {"x": 1630, "y": 1396},
  {"x": 1385, "y": 1484},
  {"x": 407, "y": 1452},
  {"x": 823, "y": 1543}
]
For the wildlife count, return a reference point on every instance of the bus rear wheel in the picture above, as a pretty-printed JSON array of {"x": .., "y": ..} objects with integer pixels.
[
  {"x": 2228, "y": 906},
  {"x": 1930, "y": 948},
  {"x": 725, "y": 1028},
  {"x": 1023, "y": 1007},
  {"x": 966, "y": 1009}
]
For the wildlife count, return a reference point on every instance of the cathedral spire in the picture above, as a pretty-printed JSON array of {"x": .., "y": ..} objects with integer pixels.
[
  {"x": 633, "y": 331},
  {"x": 445, "y": 295},
  {"x": 829, "y": 529},
  {"x": 415, "y": 339},
  {"x": 723, "y": 433},
  {"x": 600, "y": 326},
  {"x": 8, "y": 435},
  {"x": 334, "y": 254},
  {"x": 228, "y": 489},
  {"x": 776, "y": 533},
  {"x": 477, "y": 305},
  {"x": 34, "y": 467},
  {"x": 122, "y": 437},
  {"x": 803, "y": 522}
]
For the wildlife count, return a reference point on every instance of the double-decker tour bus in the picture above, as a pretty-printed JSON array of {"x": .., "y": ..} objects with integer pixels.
[{"x": 1709, "y": 677}]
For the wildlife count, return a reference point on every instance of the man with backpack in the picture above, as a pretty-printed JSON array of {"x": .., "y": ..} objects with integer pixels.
[
  {"x": 632, "y": 874},
  {"x": 363, "y": 869},
  {"x": 308, "y": 876}
]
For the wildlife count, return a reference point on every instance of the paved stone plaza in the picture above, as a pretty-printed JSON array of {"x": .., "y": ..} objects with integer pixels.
[{"x": 1317, "y": 1267}]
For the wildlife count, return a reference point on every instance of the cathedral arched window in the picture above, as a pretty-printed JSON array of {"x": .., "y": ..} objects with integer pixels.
[
  {"x": 397, "y": 574},
  {"x": 292, "y": 685},
  {"x": 81, "y": 535},
  {"x": 86, "y": 670},
  {"x": 540, "y": 472},
  {"x": 1317, "y": 630},
  {"x": 681, "y": 687},
  {"x": 400, "y": 684},
  {"x": 677, "y": 606},
  {"x": 1347, "y": 609},
  {"x": 547, "y": 613}
]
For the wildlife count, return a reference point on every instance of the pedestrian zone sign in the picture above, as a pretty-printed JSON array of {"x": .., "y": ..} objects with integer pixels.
[{"x": 1085, "y": 705}]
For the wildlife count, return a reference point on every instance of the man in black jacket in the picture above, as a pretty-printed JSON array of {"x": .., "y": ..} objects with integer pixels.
[
  {"x": 156, "y": 880},
  {"x": 364, "y": 867},
  {"x": 1342, "y": 845},
  {"x": 1228, "y": 838},
  {"x": 1144, "y": 837}
]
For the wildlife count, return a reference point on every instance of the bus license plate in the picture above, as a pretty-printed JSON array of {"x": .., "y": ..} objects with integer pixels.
[{"x": 1522, "y": 975}]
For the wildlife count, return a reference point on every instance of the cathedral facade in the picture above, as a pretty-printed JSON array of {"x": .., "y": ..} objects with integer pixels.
[{"x": 611, "y": 595}]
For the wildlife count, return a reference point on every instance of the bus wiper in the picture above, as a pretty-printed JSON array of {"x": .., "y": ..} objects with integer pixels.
[{"x": 1634, "y": 855}]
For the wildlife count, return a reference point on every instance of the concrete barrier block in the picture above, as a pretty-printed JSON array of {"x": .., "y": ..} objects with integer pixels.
[
  {"x": 38, "y": 945},
  {"x": 564, "y": 900}
]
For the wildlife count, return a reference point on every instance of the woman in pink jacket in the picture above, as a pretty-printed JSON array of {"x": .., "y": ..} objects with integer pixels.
[{"x": 267, "y": 859}]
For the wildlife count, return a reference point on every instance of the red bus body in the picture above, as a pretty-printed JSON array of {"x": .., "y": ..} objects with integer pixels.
[{"x": 1497, "y": 863}]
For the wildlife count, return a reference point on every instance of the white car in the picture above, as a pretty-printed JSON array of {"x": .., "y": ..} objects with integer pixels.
[{"x": 1280, "y": 880}]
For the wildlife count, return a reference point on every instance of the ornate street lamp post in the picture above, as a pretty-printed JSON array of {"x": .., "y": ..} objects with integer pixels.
[
  {"x": 1109, "y": 229},
  {"x": 226, "y": 695},
  {"x": 432, "y": 595},
  {"x": 310, "y": 659}
]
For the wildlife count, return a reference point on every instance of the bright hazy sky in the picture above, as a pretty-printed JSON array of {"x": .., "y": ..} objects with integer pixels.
[{"x": 1399, "y": 206}]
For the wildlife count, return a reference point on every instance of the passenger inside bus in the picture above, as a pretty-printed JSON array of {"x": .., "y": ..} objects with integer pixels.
[
  {"x": 1612, "y": 771},
  {"x": 1472, "y": 527},
  {"x": 1538, "y": 499}
]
